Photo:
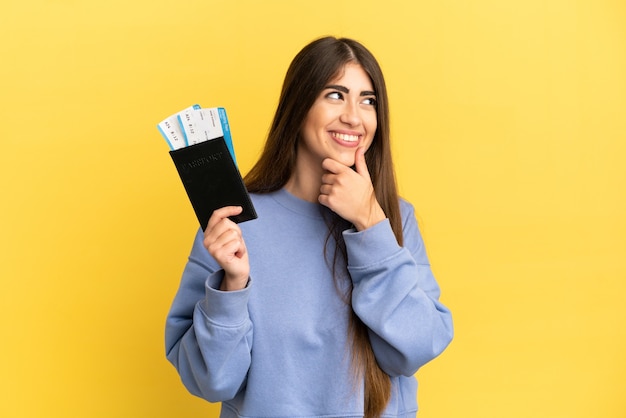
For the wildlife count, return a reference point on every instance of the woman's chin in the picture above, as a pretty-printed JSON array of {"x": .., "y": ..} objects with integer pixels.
[{"x": 345, "y": 158}]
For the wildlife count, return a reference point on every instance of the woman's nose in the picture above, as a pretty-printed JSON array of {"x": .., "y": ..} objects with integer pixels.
[{"x": 350, "y": 114}]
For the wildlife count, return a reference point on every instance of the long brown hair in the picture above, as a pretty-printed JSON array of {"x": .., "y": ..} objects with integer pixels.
[{"x": 308, "y": 74}]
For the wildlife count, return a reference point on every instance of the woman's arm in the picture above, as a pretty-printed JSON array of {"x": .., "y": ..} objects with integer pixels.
[
  {"x": 397, "y": 297},
  {"x": 208, "y": 334}
]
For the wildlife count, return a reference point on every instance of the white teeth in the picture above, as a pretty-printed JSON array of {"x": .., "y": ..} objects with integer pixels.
[{"x": 345, "y": 137}]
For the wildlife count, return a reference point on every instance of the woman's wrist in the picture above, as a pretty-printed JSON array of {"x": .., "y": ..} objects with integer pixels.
[
  {"x": 230, "y": 284},
  {"x": 373, "y": 216}
]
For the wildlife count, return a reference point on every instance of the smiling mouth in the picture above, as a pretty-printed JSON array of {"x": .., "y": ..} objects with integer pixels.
[{"x": 345, "y": 137}]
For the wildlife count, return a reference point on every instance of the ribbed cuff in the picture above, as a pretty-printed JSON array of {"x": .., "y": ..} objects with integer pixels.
[
  {"x": 371, "y": 245},
  {"x": 227, "y": 309}
]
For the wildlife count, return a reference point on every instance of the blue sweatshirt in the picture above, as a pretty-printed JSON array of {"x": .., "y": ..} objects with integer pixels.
[{"x": 280, "y": 347}]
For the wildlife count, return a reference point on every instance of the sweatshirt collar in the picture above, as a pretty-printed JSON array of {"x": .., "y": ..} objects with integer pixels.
[{"x": 297, "y": 205}]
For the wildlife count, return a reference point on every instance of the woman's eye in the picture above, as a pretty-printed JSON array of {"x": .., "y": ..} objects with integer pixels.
[
  {"x": 371, "y": 101},
  {"x": 335, "y": 95}
]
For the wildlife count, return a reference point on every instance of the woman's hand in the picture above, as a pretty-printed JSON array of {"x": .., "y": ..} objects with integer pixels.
[
  {"x": 224, "y": 241},
  {"x": 350, "y": 193}
]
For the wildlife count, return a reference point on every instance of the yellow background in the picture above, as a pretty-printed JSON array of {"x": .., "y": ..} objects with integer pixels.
[{"x": 509, "y": 128}]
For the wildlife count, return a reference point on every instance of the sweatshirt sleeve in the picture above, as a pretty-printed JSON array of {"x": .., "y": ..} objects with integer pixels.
[
  {"x": 208, "y": 333},
  {"x": 396, "y": 296}
]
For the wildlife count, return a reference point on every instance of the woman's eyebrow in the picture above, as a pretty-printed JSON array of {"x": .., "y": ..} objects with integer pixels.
[
  {"x": 342, "y": 89},
  {"x": 346, "y": 90}
]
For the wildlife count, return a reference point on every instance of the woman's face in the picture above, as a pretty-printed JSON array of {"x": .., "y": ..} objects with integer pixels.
[{"x": 342, "y": 119}]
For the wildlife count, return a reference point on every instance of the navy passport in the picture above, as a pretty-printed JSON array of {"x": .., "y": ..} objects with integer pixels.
[{"x": 212, "y": 180}]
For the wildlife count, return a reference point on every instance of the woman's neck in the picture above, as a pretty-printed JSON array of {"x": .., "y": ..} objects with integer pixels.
[{"x": 305, "y": 184}]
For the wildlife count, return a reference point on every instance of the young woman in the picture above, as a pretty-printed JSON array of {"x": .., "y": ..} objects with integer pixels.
[{"x": 324, "y": 306}]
